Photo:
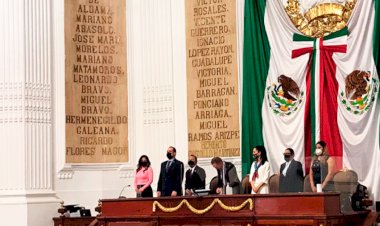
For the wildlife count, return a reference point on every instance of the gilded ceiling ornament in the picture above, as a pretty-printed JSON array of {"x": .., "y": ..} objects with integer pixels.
[{"x": 321, "y": 20}]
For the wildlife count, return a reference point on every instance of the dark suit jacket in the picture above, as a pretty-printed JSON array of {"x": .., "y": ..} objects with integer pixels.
[
  {"x": 231, "y": 177},
  {"x": 171, "y": 179},
  {"x": 293, "y": 181},
  {"x": 196, "y": 180}
]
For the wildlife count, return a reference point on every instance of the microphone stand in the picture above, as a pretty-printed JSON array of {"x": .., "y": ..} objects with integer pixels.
[{"x": 123, "y": 197}]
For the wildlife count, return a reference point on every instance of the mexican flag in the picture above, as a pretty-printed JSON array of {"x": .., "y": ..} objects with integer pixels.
[{"x": 299, "y": 89}]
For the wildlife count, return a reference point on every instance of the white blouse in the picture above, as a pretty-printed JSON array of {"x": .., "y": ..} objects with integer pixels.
[{"x": 263, "y": 177}]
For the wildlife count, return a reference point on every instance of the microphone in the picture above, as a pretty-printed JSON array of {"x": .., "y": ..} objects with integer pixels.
[
  {"x": 194, "y": 192},
  {"x": 201, "y": 192},
  {"x": 123, "y": 197}
]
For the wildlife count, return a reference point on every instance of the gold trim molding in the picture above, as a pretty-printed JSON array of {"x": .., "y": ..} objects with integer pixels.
[
  {"x": 205, "y": 210},
  {"x": 321, "y": 20}
]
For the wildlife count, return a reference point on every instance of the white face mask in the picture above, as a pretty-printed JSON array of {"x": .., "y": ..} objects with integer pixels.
[{"x": 318, "y": 151}]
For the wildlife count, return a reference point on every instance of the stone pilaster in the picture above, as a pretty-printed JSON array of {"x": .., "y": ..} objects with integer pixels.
[{"x": 26, "y": 161}]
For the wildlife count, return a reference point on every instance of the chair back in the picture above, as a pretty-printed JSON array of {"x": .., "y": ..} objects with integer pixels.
[
  {"x": 247, "y": 188},
  {"x": 306, "y": 184},
  {"x": 213, "y": 185},
  {"x": 345, "y": 181},
  {"x": 274, "y": 183}
]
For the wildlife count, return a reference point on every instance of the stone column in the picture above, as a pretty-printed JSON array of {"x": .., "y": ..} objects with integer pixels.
[{"x": 26, "y": 189}]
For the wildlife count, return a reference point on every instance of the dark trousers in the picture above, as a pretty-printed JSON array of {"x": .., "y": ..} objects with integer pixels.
[{"x": 148, "y": 192}]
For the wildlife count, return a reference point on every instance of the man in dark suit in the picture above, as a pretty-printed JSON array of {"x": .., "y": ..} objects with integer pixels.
[
  {"x": 171, "y": 175},
  {"x": 195, "y": 176},
  {"x": 227, "y": 175},
  {"x": 291, "y": 173}
]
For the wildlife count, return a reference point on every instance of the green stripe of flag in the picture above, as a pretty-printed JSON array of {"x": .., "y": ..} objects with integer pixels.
[
  {"x": 336, "y": 34},
  {"x": 376, "y": 42},
  {"x": 302, "y": 38},
  {"x": 256, "y": 54},
  {"x": 376, "y": 36},
  {"x": 312, "y": 97}
]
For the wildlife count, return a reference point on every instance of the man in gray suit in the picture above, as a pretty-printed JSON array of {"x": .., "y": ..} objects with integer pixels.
[
  {"x": 227, "y": 175},
  {"x": 291, "y": 173}
]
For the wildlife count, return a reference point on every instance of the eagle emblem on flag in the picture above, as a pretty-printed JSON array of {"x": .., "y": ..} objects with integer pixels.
[
  {"x": 360, "y": 92},
  {"x": 284, "y": 97}
]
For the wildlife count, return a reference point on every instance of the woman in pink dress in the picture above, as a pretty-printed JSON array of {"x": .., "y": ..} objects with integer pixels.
[{"x": 143, "y": 178}]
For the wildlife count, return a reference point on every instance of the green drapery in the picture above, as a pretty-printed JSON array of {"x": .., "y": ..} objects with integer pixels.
[
  {"x": 376, "y": 41},
  {"x": 256, "y": 54},
  {"x": 376, "y": 36}
]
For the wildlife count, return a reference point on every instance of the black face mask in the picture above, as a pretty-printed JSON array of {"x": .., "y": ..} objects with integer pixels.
[
  {"x": 169, "y": 155},
  {"x": 287, "y": 158},
  {"x": 191, "y": 163},
  {"x": 143, "y": 163}
]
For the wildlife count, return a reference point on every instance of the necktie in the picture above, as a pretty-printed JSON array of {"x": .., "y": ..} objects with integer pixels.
[
  {"x": 221, "y": 176},
  {"x": 168, "y": 165},
  {"x": 224, "y": 176}
]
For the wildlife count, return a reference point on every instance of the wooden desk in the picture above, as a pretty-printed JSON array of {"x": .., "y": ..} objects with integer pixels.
[
  {"x": 314, "y": 209},
  {"x": 72, "y": 221}
]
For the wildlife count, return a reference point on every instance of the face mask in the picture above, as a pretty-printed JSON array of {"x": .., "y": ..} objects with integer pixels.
[
  {"x": 191, "y": 163},
  {"x": 318, "y": 151},
  {"x": 169, "y": 155},
  {"x": 143, "y": 163},
  {"x": 255, "y": 157},
  {"x": 287, "y": 158}
]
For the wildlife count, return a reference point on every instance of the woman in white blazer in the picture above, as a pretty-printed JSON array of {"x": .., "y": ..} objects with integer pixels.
[{"x": 260, "y": 171}]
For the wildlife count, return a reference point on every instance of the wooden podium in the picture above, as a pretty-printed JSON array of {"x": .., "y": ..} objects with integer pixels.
[
  {"x": 317, "y": 209},
  {"x": 73, "y": 221}
]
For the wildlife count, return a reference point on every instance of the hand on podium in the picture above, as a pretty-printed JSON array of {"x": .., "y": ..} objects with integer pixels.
[{"x": 188, "y": 192}]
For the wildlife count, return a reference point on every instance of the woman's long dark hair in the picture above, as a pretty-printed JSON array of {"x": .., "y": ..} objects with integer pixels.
[
  {"x": 325, "y": 153},
  {"x": 139, "y": 163},
  {"x": 322, "y": 143},
  {"x": 263, "y": 152}
]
